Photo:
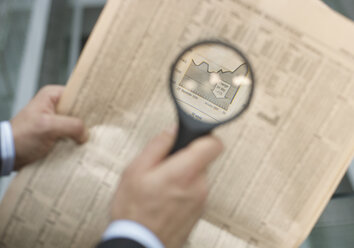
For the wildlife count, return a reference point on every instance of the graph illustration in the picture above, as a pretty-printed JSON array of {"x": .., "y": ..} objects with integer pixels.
[{"x": 218, "y": 87}]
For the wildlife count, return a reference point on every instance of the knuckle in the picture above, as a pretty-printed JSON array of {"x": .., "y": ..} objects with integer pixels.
[
  {"x": 45, "y": 124},
  {"x": 78, "y": 125},
  {"x": 49, "y": 92},
  {"x": 45, "y": 90}
]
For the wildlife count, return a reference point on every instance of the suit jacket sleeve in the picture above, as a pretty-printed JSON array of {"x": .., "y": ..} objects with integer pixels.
[
  {"x": 119, "y": 243},
  {"x": 130, "y": 234}
]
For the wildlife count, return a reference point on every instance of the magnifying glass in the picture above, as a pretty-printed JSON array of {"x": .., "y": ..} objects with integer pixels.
[{"x": 211, "y": 83}]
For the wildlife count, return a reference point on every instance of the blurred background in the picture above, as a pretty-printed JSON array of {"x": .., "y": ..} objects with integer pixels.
[{"x": 40, "y": 42}]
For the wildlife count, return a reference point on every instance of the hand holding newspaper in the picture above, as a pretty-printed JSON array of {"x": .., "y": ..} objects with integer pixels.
[{"x": 284, "y": 157}]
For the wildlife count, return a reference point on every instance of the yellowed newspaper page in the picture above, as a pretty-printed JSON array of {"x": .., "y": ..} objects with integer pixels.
[{"x": 283, "y": 158}]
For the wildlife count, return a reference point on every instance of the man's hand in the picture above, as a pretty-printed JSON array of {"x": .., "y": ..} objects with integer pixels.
[
  {"x": 37, "y": 127},
  {"x": 166, "y": 194}
]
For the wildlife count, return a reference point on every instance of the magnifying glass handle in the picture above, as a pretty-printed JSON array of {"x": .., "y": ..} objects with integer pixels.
[{"x": 185, "y": 136}]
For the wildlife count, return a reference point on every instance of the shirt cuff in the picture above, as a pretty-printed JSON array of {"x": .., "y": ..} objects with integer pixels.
[
  {"x": 7, "y": 148},
  {"x": 134, "y": 231}
]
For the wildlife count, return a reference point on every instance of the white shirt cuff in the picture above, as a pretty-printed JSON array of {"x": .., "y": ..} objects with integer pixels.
[
  {"x": 128, "y": 229},
  {"x": 7, "y": 148}
]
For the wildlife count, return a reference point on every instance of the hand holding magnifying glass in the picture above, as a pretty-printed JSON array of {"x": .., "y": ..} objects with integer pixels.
[{"x": 211, "y": 83}]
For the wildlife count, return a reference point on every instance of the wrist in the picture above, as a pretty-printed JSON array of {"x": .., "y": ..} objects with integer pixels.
[{"x": 20, "y": 139}]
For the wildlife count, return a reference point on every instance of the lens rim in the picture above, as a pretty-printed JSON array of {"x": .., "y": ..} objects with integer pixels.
[{"x": 187, "y": 119}]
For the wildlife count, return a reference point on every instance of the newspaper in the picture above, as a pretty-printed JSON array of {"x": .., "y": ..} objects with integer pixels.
[{"x": 283, "y": 158}]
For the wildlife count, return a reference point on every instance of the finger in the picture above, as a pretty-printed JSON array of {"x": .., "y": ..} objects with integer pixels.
[
  {"x": 157, "y": 149},
  {"x": 69, "y": 127},
  {"x": 50, "y": 95},
  {"x": 199, "y": 188},
  {"x": 192, "y": 161}
]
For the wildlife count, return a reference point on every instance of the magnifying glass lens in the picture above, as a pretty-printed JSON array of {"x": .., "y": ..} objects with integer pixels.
[{"x": 211, "y": 82}]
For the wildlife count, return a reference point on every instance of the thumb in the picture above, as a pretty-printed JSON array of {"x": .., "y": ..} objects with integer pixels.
[
  {"x": 156, "y": 150},
  {"x": 191, "y": 161},
  {"x": 69, "y": 127}
]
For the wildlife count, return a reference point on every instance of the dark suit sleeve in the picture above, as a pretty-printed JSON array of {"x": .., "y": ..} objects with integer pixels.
[{"x": 119, "y": 243}]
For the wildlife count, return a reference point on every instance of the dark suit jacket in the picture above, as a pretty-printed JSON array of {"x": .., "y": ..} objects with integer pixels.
[{"x": 119, "y": 243}]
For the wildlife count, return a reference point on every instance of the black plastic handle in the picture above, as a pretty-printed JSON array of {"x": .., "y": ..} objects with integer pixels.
[{"x": 185, "y": 136}]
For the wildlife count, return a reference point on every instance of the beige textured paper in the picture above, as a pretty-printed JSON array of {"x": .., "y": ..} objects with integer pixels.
[{"x": 283, "y": 159}]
